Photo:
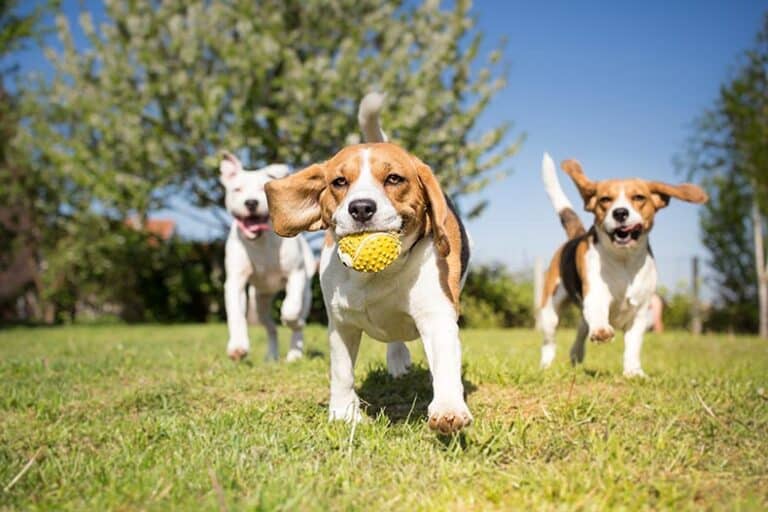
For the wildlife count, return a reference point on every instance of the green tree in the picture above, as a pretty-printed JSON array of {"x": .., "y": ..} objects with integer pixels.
[
  {"x": 138, "y": 116},
  {"x": 730, "y": 153},
  {"x": 19, "y": 235},
  {"x": 141, "y": 114},
  {"x": 677, "y": 306},
  {"x": 495, "y": 297}
]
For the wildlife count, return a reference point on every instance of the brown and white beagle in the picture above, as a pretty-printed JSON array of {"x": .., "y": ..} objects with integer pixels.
[
  {"x": 608, "y": 271},
  {"x": 381, "y": 187}
]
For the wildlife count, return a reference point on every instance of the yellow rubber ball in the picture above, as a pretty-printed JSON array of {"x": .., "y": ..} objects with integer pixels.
[{"x": 369, "y": 252}]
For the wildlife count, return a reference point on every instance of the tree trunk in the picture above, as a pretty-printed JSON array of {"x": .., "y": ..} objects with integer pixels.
[{"x": 762, "y": 269}]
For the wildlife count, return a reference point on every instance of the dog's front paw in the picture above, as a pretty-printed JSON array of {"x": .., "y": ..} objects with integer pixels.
[
  {"x": 237, "y": 353},
  {"x": 602, "y": 334},
  {"x": 635, "y": 373},
  {"x": 294, "y": 355},
  {"x": 449, "y": 418},
  {"x": 349, "y": 413}
]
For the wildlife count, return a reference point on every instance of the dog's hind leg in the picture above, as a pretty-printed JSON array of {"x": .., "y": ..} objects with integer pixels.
[
  {"x": 398, "y": 359},
  {"x": 251, "y": 314},
  {"x": 264, "y": 312},
  {"x": 298, "y": 300},
  {"x": 578, "y": 348},
  {"x": 548, "y": 320}
]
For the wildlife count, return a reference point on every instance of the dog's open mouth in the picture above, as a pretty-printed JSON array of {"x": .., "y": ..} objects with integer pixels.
[
  {"x": 626, "y": 235},
  {"x": 253, "y": 226}
]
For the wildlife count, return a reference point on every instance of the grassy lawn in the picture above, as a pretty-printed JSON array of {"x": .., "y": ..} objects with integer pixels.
[{"x": 156, "y": 417}]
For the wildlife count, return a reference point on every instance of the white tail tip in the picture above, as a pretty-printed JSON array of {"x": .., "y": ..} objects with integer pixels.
[
  {"x": 552, "y": 184},
  {"x": 368, "y": 117}
]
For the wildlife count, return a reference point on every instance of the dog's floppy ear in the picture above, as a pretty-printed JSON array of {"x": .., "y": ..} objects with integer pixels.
[
  {"x": 437, "y": 207},
  {"x": 229, "y": 167},
  {"x": 587, "y": 188},
  {"x": 662, "y": 192},
  {"x": 294, "y": 201}
]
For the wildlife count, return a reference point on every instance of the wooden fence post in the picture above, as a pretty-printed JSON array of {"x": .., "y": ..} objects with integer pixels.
[{"x": 695, "y": 304}]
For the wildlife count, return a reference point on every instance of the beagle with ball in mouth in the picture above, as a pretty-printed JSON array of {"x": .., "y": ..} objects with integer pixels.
[
  {"x": 380, "y": 187},
  {"x": 608, "y": 271}
]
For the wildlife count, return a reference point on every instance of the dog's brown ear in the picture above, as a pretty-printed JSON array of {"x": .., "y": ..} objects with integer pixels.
[
  {"x": 662, "y": 192},
  {"x": 587, "y": 188},
  {"x": 437, "y": 207},
  {"x": 294, "y": 201}
]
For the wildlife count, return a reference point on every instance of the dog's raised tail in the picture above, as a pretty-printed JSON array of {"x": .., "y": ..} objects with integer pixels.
[
  {"x": 368, "y": 117},
  {"x": 568, "y": 217}
]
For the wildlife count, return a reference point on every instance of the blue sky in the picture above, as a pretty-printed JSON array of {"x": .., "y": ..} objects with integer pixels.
[{"x": 616, "y": 85}]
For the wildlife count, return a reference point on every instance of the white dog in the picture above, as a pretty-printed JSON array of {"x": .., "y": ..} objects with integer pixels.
[
  {"x": 608, "y": 271},
  {"x": 256, "y": 256},
  {"x": 381, "y": 187}
]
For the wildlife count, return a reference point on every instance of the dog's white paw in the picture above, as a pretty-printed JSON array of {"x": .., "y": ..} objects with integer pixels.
[
  {"x": 350, "y": 412},
  {"x": 398, "y": 359},
  {"x": 237, "y": 351},
  {"x": 635, "y": 373},
  {"x": 602, "y": 334},
  {"x": 294, "y": 355},
  {"x": 547, "y": 356},
  {"x": 449, "y": 417}
]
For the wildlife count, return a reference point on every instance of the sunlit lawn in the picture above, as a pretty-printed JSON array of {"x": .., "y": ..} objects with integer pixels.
[{"x": 156, "y": 417}]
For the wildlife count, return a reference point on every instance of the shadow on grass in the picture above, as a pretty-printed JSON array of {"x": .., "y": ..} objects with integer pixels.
[
  {"x": 401, "y": 400},
  {"x": 314, "y": 354},
  {"x": 595, "y": 374}
]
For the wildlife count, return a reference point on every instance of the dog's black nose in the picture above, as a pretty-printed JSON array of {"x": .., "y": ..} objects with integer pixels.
[
  {"x": 620, "y": 214},
  {"x": 362, "y": 209},
  {"x": 251, "y": 204}
]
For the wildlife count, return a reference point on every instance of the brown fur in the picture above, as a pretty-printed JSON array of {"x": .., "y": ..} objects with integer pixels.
[
  {"x": 307, "y": 200},
  {"x": 571, "y": 223},
  {"x": 551, "y": 278}
]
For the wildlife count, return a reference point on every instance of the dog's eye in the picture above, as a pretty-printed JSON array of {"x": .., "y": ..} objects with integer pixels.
[
  {"x": 339, "y": 182},
  {"x": 394, "y": 179},
  {"x": 639, "y": 198},
  {"x": 238, "y": 189},
  {"x": 605, "y": 200}
]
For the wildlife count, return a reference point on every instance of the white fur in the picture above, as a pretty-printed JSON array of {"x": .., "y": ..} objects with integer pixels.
[
  {"x": 552, "y": 184},
  {"x": 548, "y": 319},
  {"x": 368, "y": 117},
  {"x": 267, "y": 262}
]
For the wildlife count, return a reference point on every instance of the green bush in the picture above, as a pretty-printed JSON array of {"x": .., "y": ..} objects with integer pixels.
[
  {"x": 495, "y": 297},
  {"x": 677, "y": 306}
]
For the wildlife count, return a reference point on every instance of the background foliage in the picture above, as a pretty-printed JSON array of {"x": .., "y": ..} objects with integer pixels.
[
  {"x": 729, "y": 154},
  {"x": 133, "y": 120}
]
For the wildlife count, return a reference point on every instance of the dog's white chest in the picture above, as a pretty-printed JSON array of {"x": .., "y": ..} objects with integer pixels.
[
  {"x": 379, "y": 304},
  {"x": 629, "y": 284}
]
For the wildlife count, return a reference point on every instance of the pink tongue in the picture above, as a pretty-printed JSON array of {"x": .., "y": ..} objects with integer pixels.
[
  {"x": 253, "y": 226},
  {"x": 629, "y": 229}
]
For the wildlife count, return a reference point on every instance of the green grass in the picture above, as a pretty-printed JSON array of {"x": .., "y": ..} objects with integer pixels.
[{"x": 156, "y": 418}]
